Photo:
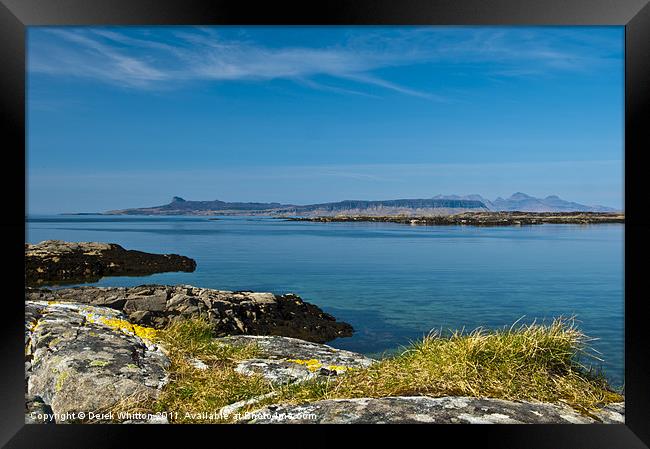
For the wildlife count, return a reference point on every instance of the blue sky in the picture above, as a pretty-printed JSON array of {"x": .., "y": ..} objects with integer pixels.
[{"x": 128, "y": 117}]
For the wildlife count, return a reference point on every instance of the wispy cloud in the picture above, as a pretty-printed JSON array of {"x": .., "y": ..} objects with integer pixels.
[
  {"x": 91, "y": 58},
  {"x": 147, "y": 58}
]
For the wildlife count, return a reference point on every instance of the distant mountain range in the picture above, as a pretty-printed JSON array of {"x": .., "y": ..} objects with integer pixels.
[
  {"x": 438, "y": 205},
  {"x": 526, "y": 203}
]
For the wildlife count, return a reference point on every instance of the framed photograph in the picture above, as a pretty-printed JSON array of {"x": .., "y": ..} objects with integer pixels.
[{"x": 355, "y": 213}]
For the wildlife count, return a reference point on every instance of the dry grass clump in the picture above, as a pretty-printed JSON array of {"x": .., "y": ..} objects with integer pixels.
[
  {"x": 192, "y": 392},
  {"x": 530, "y": 362}
]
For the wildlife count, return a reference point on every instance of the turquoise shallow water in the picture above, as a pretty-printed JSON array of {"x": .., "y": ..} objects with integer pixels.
[{"x": 392, "y": 282}]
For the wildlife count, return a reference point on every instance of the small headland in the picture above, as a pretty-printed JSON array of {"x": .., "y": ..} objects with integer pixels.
[
  {"x": 53, "y": 262},
  {"x": 479, "y": 218}
]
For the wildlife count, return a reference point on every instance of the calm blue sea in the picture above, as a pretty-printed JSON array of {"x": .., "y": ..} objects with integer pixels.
[{"x": 393, "y": 283}]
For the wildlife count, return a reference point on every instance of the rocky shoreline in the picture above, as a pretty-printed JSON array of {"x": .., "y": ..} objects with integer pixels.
[
  {"x": 90, "y": 351},
  {"x": 230, "y": 313},
  {"x": 83, "y": 361},
  {"x": 89, "y": 348},
  {"x": 57, "y": 262},
  {"x": 480, "y": 218}
]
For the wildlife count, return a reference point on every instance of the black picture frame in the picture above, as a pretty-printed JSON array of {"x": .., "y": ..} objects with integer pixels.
[{"x": 16, "y": 15}]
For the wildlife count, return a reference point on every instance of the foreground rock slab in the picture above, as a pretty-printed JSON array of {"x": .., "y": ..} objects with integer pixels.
[
  {"x": 58, "y": 262},
  {"x": 445, "y": 410},
  {"x": 285, "y": 360},
  {"x": 231, "y": 313},
  {"x": 84, "y": 359},
  {"x": 89, "y": 359}
]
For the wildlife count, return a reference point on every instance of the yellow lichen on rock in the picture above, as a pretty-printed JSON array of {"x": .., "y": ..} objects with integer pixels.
[
  {"x": 99, "y": 363},
  {"x": 32, "y": 325},
  {"x": 143, "y": 332},
  {"x": 311, "y": 364},
  {"x": 337, "y": 368},
  {"x": 314, "y": 365},
  {"x": 58, "y": 386},
  {"x": 147, "y": 333}
]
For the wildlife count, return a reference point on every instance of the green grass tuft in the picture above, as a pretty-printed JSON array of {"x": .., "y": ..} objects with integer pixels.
[{"x": 193, "y": 338}]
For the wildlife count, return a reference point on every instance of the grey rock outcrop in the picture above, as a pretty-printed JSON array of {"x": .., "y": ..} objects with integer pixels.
[
  {"x": 613, "y": 413},
  {"x": 231, "y": 313},
  {"x": 285, "y": 360},
  {"x": 58, "y": 262},
  {"x": 85, "y": 359},
  {"x": 420, "y": 409}
]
